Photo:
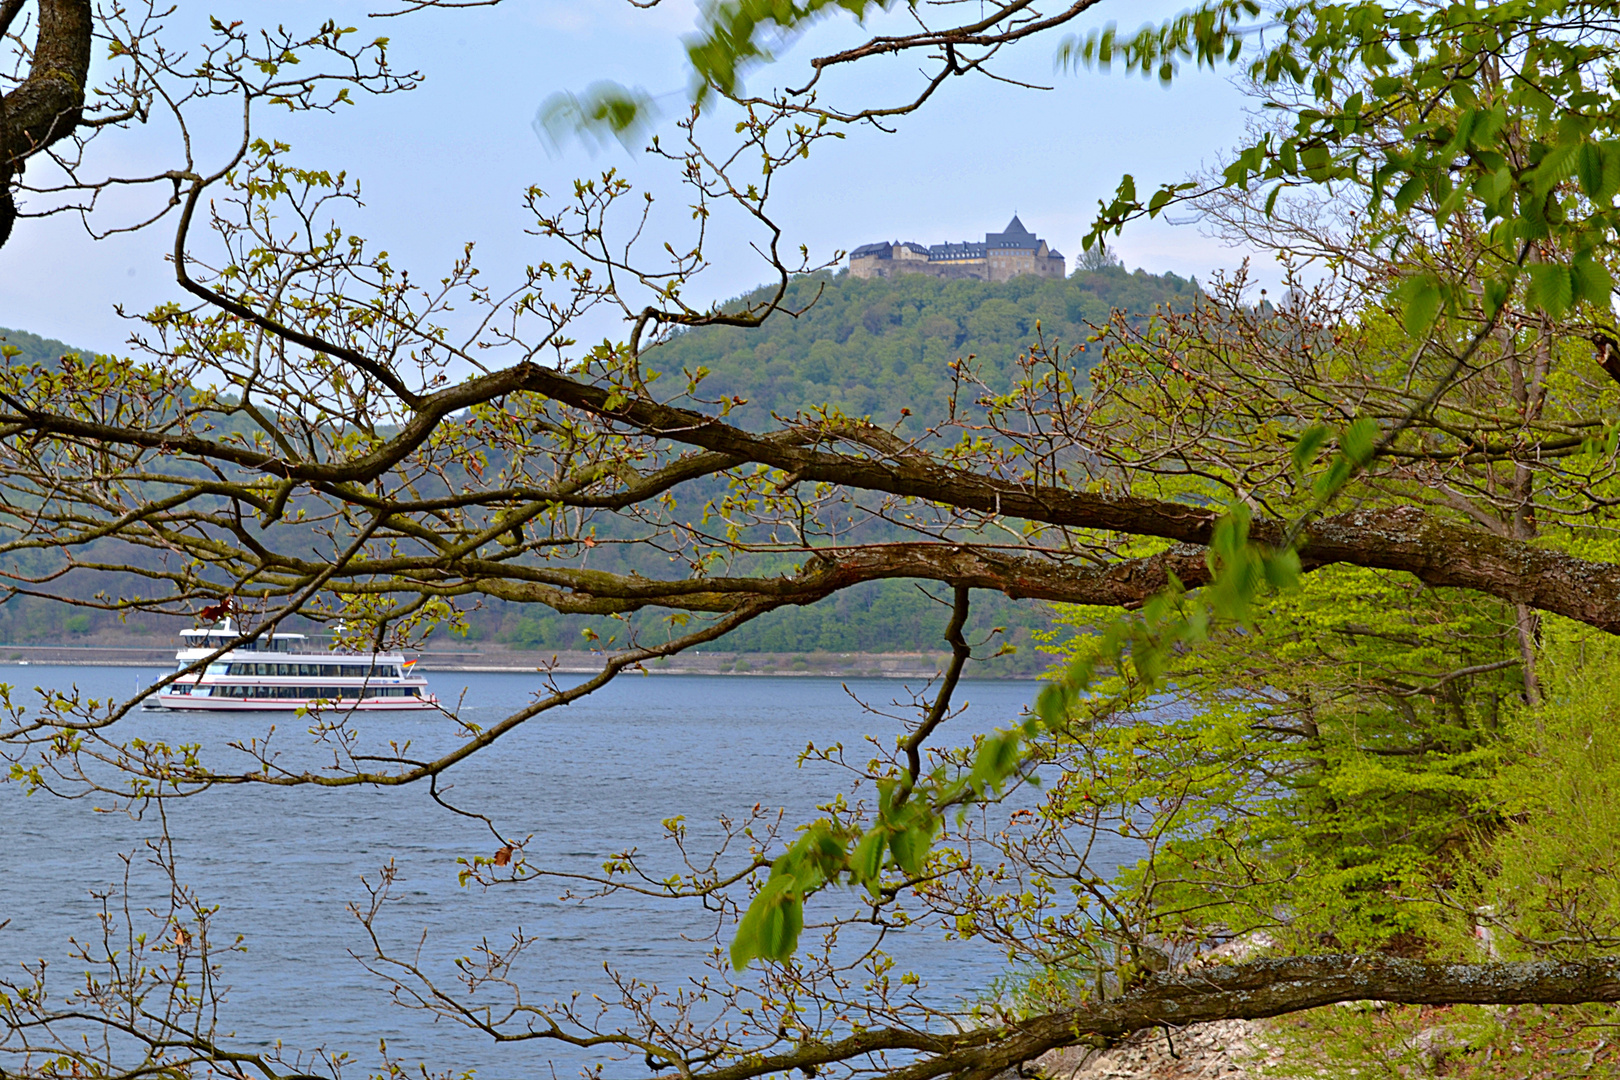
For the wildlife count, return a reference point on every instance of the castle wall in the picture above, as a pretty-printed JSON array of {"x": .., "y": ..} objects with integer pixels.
[
  {"x": 1006, "y": 265},
  {"x": 995, "y": 268},
  {"x": 868, "y": 266},
  {"x": 967, "y": 270}
]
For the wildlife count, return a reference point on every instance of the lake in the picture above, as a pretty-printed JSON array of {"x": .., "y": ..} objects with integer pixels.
[{"x": 588, "y": 780}]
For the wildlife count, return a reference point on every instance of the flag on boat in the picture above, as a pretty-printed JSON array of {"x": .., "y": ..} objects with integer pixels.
[{"x": 407, "y": 665}]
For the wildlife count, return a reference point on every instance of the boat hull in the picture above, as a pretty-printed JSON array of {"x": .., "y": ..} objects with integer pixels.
[{"x": 200, "y": 703}]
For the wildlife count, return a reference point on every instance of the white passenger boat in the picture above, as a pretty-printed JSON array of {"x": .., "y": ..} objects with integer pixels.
[{"x": 277, "y": 672}]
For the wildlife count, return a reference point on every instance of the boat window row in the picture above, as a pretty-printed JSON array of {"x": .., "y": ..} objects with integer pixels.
[
  {"x": 310, "y": 671},
  {"x": 216, "y": 638},
  {"x": 328, "y": 693}
]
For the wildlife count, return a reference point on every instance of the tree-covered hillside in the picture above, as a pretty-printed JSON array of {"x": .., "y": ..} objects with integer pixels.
[
  {"x": 33, "y": 349},
  {"x": 867, "y": 347},
  {"x": 875, "y": 346}
]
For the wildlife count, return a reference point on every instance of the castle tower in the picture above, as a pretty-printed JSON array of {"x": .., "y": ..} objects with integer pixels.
[{"x": 1015, "y": 250}]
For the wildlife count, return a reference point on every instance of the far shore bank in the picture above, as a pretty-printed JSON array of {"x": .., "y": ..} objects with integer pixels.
[{"x": 499, "y": 658}]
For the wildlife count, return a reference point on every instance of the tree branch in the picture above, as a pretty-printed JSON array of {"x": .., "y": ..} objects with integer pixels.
[
  {"x": 1402, "y": 538},
  {"x": 1250, "y": 991}
]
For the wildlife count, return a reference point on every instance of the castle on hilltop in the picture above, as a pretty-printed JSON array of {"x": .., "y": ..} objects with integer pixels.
[{"x": 1003, "y": 256}]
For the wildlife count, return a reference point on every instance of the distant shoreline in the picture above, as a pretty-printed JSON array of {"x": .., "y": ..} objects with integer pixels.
[{"x": 500, "y": 659}]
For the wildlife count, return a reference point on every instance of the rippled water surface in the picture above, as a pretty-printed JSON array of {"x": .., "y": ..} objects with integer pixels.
[{"x": 587, "y": 780}]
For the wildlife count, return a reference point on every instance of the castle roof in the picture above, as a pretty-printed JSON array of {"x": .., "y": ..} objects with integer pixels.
[
  {"x": 1014, "y": 237},
  {"x": 871, "y": 249},
  {"x": 886, "y": 248},
  {"x": 968, "y": 250}
]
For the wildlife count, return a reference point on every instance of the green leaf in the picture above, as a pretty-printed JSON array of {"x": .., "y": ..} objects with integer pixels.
[
  {"x": 1555, "y": 166},
  {"x": 1051, "y": 707},
  {"x": 779, "y": 933},
  {"x": 606, "y": 110},
  {"x": 1409, "y": 193},
  {"x": 866, "y": 863},
  {"x": 1282, "y": 568},
  {"x": 1611, "y": 172},
  {"x": 1552, "y": 289},
  {"x": 1230, "y": 540},
  {"x": 1359, "y": 440},
  {"x": 997, "y": 759},
  {"x": 1333, "y": 479},
  {"x": 770, "y": 928},
  {"x": 1589, "y": 167},
  {"x": 1316, "y": 160},
  {"x": 1420, "y": 304},
  {"x": 1495, "y": 295},
  {"x": 1306, "y": 446},
  {"x": 1493, "y": 188},
  {"x": 910, "y": 847},
  {"x": 1288, "y": 156},
  {"x": 734, "y": 32},
  {"x": 1592, "y": 281},
  {"x": 1449, "y": 204}
]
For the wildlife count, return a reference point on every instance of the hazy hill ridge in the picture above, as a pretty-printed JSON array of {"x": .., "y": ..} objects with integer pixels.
[{"x": 37, "y": 350}]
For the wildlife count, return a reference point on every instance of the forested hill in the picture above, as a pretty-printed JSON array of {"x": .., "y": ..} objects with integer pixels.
[
  {"x": 868, "y": 347},
  {"x": 33, "y": 349},
  {"x": 872, "y": 347}
]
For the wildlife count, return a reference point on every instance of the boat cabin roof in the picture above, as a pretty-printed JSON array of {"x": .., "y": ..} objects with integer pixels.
[{"x": 214, "y": 636}]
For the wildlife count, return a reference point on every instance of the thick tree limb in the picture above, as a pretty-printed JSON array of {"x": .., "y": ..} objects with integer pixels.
[
  {"x": 1404, "y": 538},
  {"x": 581, "y": 591},
  {"x": 48, "y": 105},
  {"x": 1250, "y": 991},
  {"x": 1124, "y": 584}
]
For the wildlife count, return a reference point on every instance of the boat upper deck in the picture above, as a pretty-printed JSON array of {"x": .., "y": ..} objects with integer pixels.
[
  {"x": 219, "y": 636},
  {"x": 195, "y": 644}
]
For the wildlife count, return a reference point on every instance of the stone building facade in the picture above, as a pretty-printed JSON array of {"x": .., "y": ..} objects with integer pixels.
[{"x": 1001, "y": 257}]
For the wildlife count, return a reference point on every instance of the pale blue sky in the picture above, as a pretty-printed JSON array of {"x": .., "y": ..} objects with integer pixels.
[{"x": 449, "y": 162}]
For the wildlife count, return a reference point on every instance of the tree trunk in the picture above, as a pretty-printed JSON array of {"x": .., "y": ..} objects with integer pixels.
[{"x": 49, "y": 104}]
